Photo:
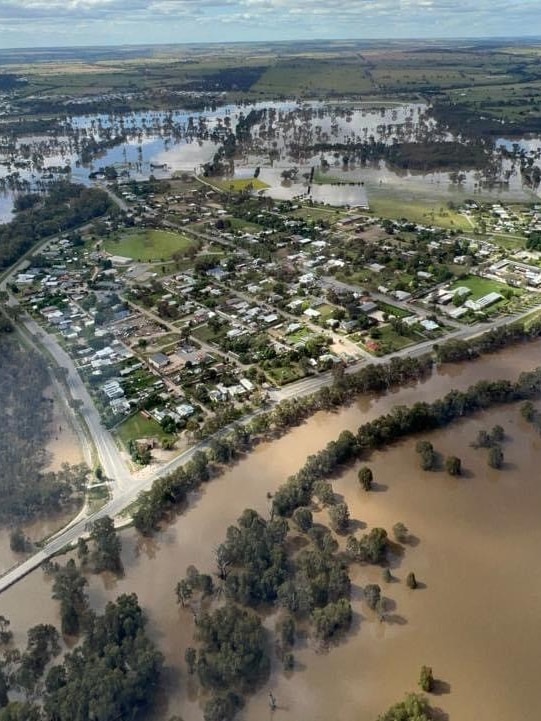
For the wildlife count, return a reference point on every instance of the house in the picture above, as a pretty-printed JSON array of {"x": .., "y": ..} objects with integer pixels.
[
  {"x": 184, "y": 410},
  {"x": 248, "y": 385},
  {"x": 348, "y": 325},
  {"x": 312, "y": 313},
  {"x": 368, "y": 306},
  {"x": 159, "y": 361}
]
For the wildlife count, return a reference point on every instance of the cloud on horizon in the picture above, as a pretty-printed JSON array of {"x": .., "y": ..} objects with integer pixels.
[{"x": 45, "y": 23}]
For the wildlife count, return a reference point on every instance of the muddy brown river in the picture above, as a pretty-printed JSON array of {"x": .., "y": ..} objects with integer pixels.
[{"x": 477, "y": 541}]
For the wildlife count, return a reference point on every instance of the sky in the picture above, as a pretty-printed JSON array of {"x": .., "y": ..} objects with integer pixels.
[{"x": 51, "y": 23}]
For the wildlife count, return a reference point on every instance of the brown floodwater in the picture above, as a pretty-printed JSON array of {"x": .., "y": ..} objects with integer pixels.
[{"x": 475, "y": 553}]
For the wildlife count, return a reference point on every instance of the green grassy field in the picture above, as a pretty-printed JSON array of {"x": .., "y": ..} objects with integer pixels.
[
  {"x": 139, "y": 427},
  {"x": 482, "y": 286},
  {"x": 148, "y": 245},
  {"x": 237, "y": 185},
  {"x": 418, "y": 211},
  {"x": 311, "y": 76}
]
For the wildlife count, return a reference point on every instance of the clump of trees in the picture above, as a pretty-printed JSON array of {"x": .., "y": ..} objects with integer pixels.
[
  {"x": 168, "y": 492},
  {"x": 413, "y": 708},
  {"x": 252, "y": 561},
  {"x": 107, "y": 546},
  {"x": 370, "y": 548},
  {"x": 69, "y": 588},
  {"x": 487, "y": 439},
  {"x": 65, "y": 206},
  {"x": 232, "y": 657},
  {"x": 111, "y": 674},
  {"x": 495, "y": 339}
]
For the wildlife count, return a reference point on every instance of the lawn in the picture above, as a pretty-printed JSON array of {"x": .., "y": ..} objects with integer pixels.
[
  {"x": 139, "y": 427},
  {"x": 389, "y": 341},
  {"x": 482, "y": 286},
  {"x": 285, "y": 374},
  {"x": 299, "y": 336},
  {"x": 206, "y": 334},
  {"x": 147, "y": 245}
]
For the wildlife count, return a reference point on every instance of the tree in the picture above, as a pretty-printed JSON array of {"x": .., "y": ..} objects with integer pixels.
[
  {"x": 497, "y": 434},
  {"x": 324, "y": 493},
  {"x": 68, "y": 588},
  {"x": 495, "y": 457},
  {"x": 453, "y": 465},
  {"x": 411, "y": 581},
  {"x": 426, "y": 679},
  {"x": 339, "y": 515},
  {"x": 5, "y": 634},
  {"x": 19, "y": 711},
  {"x": 426, "y": 452},
  {"x": 18, "y": 542},
  {"x": 82, "y": 550},
  {"x": 4, "y": 688},
  {"x": 483, "y": 439},
  {"x": 527, "y": 411},
  {"x": 366, "y": 478},
  {"x": 107, "y": 546},
  {"x": 287, "y": 632},
  {"x": 302, "y": 518},
  {"x": 372, "y": 595},
  {"x": 190, "y": 656},
  {"x": 400, "y": 532}
]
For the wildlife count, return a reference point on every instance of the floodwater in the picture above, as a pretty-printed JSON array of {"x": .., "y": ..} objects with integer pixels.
[
  {"x": 475, "y": 553},
  {"x": 164, "y": 142}
]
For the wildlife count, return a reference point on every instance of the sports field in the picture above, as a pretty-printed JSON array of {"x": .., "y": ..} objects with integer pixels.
[{"x": 147, "y": 245}]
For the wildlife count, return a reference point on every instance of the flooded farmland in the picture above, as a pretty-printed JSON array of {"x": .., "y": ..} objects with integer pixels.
[
  {"x": 277, "y": 137},
  {"x": 475, "y": 553}
]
